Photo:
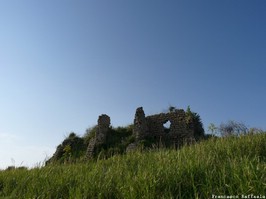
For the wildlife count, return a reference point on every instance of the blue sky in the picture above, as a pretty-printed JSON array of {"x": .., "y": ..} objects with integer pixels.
[{"x": 63, "y": 63}]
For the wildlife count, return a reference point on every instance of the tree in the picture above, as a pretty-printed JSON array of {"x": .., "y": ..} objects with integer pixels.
[
  {"x": 255, "y": 130},
  {"x": 232, "y": 128},
  {"x": 197, "y": 123},
  {"x": 212, "y": 128}
]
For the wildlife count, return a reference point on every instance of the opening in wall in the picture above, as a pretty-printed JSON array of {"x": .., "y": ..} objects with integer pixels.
[{"x": 166, "y": 126}]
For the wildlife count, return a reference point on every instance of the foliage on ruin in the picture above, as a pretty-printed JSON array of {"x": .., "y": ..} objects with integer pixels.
[
  {"x": 197, "y": 123},
  {"x": 72, "y": 149},
  {"x": 116, "y": 140}
]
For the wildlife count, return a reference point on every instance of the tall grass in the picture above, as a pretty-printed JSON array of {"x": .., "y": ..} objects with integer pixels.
[{"x": 221, "y": 166}]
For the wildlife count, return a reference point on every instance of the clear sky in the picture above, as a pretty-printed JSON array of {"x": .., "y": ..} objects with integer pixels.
[{"x": 63, "y": 63}]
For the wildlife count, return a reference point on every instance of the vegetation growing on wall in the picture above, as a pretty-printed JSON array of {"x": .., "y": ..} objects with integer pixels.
[
  {"x": 73, "y": 148},
  {"x": 197, "y": 124}
]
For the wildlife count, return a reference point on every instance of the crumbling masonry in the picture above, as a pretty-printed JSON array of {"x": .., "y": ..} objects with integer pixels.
[
  {"x": 100, "y": 136},
  {"x": 181, "y": 129}
]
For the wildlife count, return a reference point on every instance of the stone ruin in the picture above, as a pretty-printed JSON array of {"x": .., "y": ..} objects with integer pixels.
[
  {"x": 181, "y": 129},
  {"x": 100, "y": 136}
]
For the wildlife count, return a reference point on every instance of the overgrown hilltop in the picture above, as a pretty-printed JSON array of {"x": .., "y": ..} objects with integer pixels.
[
  {"x": 105, "y": 141},
  {"x": 73, "y": 148}
]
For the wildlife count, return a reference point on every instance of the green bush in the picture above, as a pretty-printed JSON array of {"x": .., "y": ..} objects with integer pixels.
[{"x": 90, "y": 133}]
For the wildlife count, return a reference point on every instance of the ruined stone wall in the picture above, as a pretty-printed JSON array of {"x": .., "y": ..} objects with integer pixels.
[
  {"x": 180, "y": 128},
  {"x": 102, "y": 129},
  {"x": 140, "y": 129},
  {"x": 177, "y": 120},
  {"x": 101, "y": 134}
]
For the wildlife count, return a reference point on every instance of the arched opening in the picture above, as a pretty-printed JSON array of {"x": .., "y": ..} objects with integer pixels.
[{"x": 166, "y": 126}]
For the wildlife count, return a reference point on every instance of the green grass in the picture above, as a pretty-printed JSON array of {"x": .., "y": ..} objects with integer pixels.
[{"x": 224, "y": 166}]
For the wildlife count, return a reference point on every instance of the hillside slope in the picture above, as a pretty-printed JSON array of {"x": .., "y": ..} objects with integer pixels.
[{"x": 221, "y": 166}]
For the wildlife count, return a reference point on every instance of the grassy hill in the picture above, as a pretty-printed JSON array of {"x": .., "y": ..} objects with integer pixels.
[{"x": 219, "y": 166}]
